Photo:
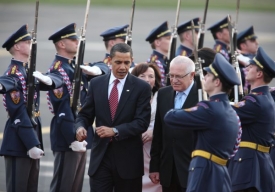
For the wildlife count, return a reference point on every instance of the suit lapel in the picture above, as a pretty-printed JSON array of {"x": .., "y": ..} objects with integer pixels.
[
  {"x": 104, "y": 95},
  {"x": 192, "y": 98},
  {"x": 127, "y": 90},
  {"x": 169, "y": 96}
]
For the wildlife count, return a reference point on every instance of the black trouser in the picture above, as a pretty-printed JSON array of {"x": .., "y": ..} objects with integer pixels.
[
  {"x": 175, "y": 183},
  {"x": 107, "y": 178}
]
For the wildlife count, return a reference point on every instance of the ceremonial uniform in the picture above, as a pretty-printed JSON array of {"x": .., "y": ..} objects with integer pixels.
[
  {"x": 156, "y": 57},
  {"x": 216, "y": 125},
  {"x": 114, "y": 33},
  {"x": 220, "y": 47},
  {"x": 182, "y": 49},
  {"x": 252, "y": 166},
  {"x": 69, "y": 166},
  {"x": 20, "y": 134}
]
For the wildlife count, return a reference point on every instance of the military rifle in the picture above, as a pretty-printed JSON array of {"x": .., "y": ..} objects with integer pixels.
[
  {"x": 173, "y": 41},
  {"x": 198, "y": 62},
  {"x": 202, "y": 26},
  {"x": 237, "y": 89},
  {"x": 128, "y": 39},
  {"x": 76, "y": 85},
  {"x": 235, "y": 25},
  {"x": 31, "y": 108}
]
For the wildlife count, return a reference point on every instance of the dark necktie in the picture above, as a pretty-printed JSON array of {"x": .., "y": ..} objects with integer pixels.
[{"x": 113, "y": 99}]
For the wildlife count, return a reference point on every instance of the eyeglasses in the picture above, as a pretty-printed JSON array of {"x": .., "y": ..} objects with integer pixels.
[{"x": 178, "y": 77}]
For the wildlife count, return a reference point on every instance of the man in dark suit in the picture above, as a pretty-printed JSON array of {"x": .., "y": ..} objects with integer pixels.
[
  {"x": 171, "y": 149},
  {"x": 120, "y": 103}
]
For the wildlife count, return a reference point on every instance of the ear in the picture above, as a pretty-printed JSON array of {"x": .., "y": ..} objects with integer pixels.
[
  {"x": 16, "y": 46},
  {"x": 219, "y": 35},
  {"x": 157, "y": 42},
  {"x": 111, "y": 42},
  {"x": 217, "y": 82},
  {"x": 260, "y": 74}
]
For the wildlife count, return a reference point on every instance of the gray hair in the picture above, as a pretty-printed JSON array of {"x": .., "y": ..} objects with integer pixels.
[{"x": 183, "y": 60}]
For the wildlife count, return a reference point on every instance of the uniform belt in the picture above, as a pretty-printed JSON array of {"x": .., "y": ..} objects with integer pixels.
[
  {"x": 209, "y": 156},
  {"x": 255, "y": 146},
  {"x": 36, "y": 114}
]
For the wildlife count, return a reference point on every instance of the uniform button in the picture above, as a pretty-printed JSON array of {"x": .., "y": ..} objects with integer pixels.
[
  {"x": 240, "y": 159},
  {"x": 192, "y": 168}
]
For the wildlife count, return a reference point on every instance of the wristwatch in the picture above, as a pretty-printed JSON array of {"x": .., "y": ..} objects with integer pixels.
[{"x": 116, "y": 132}]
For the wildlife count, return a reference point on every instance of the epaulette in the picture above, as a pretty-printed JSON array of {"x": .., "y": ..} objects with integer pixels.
[
  {"x": 218, "y": 47},
  {"x": 13, "y": 70},
  {"x": 257, "y": 93},
  {"x": 239, "y": 104},
  {"x": 203, "y": 104},
  {"x": 154, "y": 58},
  {"x": 250, "y": 98},
  {"x": 183, "y": 53},
  {"x": 105, "y": 61},
  {"x": 191, "y": 109},
  {"x": 57, "y": 65}
]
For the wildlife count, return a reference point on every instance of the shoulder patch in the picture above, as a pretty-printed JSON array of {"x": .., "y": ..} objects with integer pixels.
[
  {"x": 183, "y": 53},
  {"x": 250, "y": 98},
  {"x": 239, "y": 104},
  {"x": 202, "y": 104},
  {"x": 105, "y": 61},
  {"x": 15, "y": 97},
  {"x": 191, "y": 109},
  {"x": 57, "y": 64},
  {"x": 218, "y": 47},
  {"x": 13, "y": 70},
  {"x": 154, "y": 58}
]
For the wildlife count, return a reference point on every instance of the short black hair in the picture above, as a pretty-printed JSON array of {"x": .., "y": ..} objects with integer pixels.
[{"x": 122, "y": 48}]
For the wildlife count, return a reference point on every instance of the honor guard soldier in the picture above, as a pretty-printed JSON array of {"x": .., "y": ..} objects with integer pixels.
[
  {"x": 248, "y": 45},
  {"x": 22, "y": 144},
  {"x": 186, "y": 38},
  {"x": 247, "y": 42},
  {"x": 69, "y": 154},
  {"x": 159, "y": 38},
  {"x": 220, "y": 34},
  {"x": 252, "y": 169},
  {"x": 216, "y": 125},
  {"x": 114, "y": 36}
]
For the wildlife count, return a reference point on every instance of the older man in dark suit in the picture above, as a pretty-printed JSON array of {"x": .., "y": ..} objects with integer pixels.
[
  {"x": 171, "y": 149},
  {"x": 120, "y": 103}
]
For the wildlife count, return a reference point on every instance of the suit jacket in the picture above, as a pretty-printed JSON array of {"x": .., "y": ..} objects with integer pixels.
[
  {"x": 131, "y": 120},
  {"x": 170, "y": 146}
]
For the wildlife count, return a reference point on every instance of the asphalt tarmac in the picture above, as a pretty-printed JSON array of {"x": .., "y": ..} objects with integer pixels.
[{"x": 52, "y": 17}]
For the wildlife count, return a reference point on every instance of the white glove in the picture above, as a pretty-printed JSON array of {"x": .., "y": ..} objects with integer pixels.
[
  {"x": 94, "y": 70},
  {"x": 78, "y": 146},
  {"x": 243, "y": 59},
  {"x": 42, "y": 78},
  {"x": 35, "y": 153},
  {"x": 1, "y": 86}
]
